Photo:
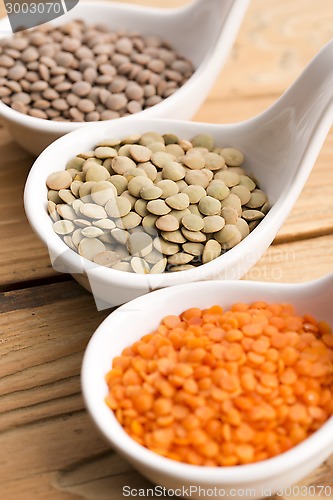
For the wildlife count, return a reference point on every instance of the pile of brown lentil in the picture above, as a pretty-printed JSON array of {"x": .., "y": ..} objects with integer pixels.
[
  {"x": 150, "y": 203},
  {"x": 223, "y": 388},
  {"x": 80, "y": 72}
]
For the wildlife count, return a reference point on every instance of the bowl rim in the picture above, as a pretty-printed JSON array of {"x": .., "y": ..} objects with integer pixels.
[{"x": 123, "y": 443}]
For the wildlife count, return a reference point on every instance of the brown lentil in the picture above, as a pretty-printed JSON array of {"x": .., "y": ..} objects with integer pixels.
[{"x": 87, "y": 74}]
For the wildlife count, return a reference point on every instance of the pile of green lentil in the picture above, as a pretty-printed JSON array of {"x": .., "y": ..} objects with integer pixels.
[
  {"x": 83, "y": 72},
  {"x": 151, "y": 203}
]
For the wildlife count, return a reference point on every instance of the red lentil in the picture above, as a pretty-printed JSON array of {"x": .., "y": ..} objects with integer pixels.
[{"x": 217, "y": 388}]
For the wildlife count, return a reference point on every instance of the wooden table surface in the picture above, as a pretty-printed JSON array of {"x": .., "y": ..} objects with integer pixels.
[{"x": 49, "y": 448}]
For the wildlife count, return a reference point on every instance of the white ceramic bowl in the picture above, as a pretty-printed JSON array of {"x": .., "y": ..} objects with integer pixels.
[
  {"x": 116, "y": 287},
  {"x": 203, "y": 31},
  {"x": 141, "y": 316}
]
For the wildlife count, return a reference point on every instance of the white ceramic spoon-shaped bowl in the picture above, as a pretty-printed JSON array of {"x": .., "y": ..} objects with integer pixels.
[
  {"x": 203, "y": 31},
  {"x": 280, "y": 146},
  {"x": 141, "y": 316}
]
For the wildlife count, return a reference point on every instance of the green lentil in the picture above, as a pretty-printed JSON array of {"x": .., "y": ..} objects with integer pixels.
[{"x": 149, "y": 203}]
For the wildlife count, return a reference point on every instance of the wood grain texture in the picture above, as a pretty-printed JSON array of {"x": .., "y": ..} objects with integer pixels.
[
  {"x": 49, "y": 448},
  {"x": 22, "y": 256},
  {"x": 295, "y": 262}
]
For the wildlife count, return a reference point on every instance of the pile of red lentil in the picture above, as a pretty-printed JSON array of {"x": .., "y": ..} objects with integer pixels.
[{"x": 217, "y": 388}]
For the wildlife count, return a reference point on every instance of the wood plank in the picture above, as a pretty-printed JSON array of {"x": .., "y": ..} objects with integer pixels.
[
  {"x": 22, "y": 256},
  {"x": 49, "y": 447},
  {"x": 58, "y": 452}
]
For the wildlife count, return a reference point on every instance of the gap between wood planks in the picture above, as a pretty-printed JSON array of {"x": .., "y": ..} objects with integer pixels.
[{"x": 22, "y": 285}]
